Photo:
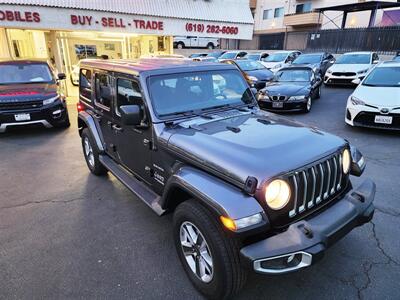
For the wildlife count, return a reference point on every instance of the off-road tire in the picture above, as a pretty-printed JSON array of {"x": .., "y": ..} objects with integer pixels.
[
  {"x": 228, "y": 275},
  {"x": 97, "y": 168}
]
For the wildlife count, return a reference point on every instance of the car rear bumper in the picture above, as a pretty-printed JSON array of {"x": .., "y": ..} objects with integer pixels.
[
  {"x": 305, "y": 242},
  {"x": 48, "y": 116}
]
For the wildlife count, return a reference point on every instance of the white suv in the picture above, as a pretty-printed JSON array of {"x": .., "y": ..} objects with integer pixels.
[
  {"x": 350, "y": 66},
  {"x": 376, "y": 101},
  {"x": 181, "y": 42}
]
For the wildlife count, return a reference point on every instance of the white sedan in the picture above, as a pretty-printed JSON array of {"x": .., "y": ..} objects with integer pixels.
[
  {"x": 350, "y": 66},
  {"x": 375, "y": 102}
]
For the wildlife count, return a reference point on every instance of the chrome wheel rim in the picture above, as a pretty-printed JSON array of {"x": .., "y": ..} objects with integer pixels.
[
  {"x": 88, "y": 151},
  {"x": 309, "y": 103},
  {"x": 196, "y": 252}
]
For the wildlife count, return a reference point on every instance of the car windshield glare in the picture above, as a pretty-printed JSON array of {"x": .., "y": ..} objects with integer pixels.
[
  {"x": 293, "y": 76},
  {"x": 228, "y": 55},
  {"x": 383, "y": 77},
  {"x": 250, "y": 65},
  {"x": 175, "y": 94},
  {"x": 307, "y": 59},
  {"x": 276, "y": 57},
  {"x": 18, "y": 73},
  {"x": 354, "y": 59}
]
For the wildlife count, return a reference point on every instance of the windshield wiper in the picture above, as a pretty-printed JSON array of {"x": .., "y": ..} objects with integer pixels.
[{"x": 188, "y": 113}]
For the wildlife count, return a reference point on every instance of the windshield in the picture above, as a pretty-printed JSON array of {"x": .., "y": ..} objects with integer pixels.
[
  {"x": 25, "y": 73},
  {"x": 293, "y": 75},
  {"x": 276, "y": 57},
  {"x": 215, "y": 54},
  {"x": 228, "y": 55},
  {"x": 308, "y": 59},
  {"x": 196, "y": 91},
  {"x": 253, "y": 56},
  {"x": 383, "y": 77},
  {"x": 354, "y": 59},
  {"x": 250, "y": 65}
]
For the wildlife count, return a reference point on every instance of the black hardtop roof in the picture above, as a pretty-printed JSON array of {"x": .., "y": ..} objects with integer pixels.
[{"x": 152, "y": 65}]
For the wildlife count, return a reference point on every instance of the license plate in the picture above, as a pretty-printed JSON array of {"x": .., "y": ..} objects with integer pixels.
[
  {"x": 22, "y": 117},
  {"x": 383, "y": 119},
  {"x": 277, "y": 104}
]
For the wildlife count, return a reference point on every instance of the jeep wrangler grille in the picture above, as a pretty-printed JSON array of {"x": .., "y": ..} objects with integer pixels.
[{"x": 316, "y": 184}]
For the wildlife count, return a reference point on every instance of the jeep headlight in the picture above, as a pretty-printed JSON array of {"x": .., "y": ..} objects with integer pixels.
[
  {"x": 50, "y": 100},
  {"x": 277, "y": 194},
  {"x": 346, "y": 161}
]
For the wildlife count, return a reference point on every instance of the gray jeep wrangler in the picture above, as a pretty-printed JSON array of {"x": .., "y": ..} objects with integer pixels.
[{"x": 249, "y": 190}]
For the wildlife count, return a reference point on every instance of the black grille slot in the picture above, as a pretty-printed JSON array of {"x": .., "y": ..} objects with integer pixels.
[
  {"x": 21, "y": 105},
  {"x": 316, "y": 184},
  {"x": 278, "y": 98},
  {"x": 344, "y": 74}
]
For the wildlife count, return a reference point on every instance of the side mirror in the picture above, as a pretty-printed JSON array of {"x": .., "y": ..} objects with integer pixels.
[
  {"x": 375, "y": 62},
  {"x": 356, "y": 81},
  {"x": 131, "y": 115},
  {"x": 259, "y": 85},
  {"x": 61, "y": 76}
]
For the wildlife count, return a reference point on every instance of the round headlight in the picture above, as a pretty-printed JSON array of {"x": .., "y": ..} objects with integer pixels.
[
  {"x": 277, "y": 194},
  {"x": 346, "y": 160}
]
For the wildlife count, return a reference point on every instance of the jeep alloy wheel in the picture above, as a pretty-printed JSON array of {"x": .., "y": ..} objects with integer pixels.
[
  {"x": 88, "y": 151},
  {"x": 196, "y": 251}
]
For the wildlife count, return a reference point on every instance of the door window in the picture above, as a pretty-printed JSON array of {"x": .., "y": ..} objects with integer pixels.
[
  {"x": 103, "y": 91},
  {"x": 128, "y": 93}
]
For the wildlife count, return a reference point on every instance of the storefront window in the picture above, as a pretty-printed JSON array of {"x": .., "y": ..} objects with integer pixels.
[{"x": 85, "y": 51}]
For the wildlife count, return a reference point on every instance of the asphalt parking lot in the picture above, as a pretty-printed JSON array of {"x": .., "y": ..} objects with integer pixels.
[{"x": 65, "y": 233}]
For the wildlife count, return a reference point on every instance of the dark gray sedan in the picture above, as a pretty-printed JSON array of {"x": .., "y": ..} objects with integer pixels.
[{"x": 319, "y": 62}]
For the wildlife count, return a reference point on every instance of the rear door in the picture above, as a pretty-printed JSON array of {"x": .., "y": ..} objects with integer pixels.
[
  {"x": 134, "y": 143},
  {"x": 103, "y": 84}
]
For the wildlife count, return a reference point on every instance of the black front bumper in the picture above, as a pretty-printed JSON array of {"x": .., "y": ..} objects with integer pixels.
[
  {"x": 50, "y": 115},
  {"x": 311, "y": 237},
  {"x": 287, "y": 105}
]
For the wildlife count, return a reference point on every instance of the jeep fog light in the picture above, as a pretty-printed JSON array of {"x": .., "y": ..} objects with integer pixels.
[
  {"x": 277, "y": 194},
  {"x": 346, "y": 160}
]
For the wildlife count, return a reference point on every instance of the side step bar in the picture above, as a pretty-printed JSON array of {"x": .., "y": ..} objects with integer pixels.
[{"x": 133, "y": 184}]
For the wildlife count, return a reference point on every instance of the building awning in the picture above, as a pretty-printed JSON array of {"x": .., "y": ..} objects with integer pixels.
[
  {"x": 361, "y": 6},
  {"x": 211, "y": 18}
]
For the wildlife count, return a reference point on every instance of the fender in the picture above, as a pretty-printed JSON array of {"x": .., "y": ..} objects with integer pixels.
[
  {"x": 86, "y": 118},
  {"x": 223, "y": 198}
]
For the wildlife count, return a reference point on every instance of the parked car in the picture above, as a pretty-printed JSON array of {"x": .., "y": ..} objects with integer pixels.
[
  {"x": 205, "y": 58},
  {"x": 280, "y": 59},
  {"x": 232, "y": 55},
  {"x": 255, "y": 73},
  {"x": 293, "y": 88},
  {"x": 258, "y": 56},
  {"x": 247, "y": 190},
  {"x": 30, "y": 94},
  {"x": 181, "y": 42},
  {"x": 350, "y": 66},
  {"x": 319, "y": 62},
  {"x": 376, "y": 100}
]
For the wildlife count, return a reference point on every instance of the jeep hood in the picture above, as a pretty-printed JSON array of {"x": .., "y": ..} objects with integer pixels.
[{"x": 257, "y": 144}]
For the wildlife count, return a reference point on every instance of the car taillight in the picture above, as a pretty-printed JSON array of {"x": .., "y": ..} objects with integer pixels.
[{"x": 80, "y": 107}]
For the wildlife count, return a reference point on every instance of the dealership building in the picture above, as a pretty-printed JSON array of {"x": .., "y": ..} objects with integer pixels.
[{"x": 65, "y": 31}]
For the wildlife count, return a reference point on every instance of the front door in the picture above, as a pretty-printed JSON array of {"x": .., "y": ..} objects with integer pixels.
[
  {"x": 103, "y": 112},
  {"x": 133, "y": 142}
]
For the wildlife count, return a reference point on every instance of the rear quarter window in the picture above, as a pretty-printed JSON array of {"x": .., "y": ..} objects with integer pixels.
[{"x": 85, "y": 84}]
